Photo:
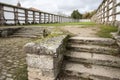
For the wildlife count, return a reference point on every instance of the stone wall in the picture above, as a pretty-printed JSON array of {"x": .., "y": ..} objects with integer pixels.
[
  {"x": 44, "y": 59},
  {"x": 5, "y": 32}
]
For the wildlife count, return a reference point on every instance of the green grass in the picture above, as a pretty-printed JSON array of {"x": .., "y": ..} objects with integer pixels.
[
  {"x": 64, "y": 24},
  {"x": 105, "y": 31},
  {"x": 21, "y": 73},
  {"x": 58, "y": 24}
]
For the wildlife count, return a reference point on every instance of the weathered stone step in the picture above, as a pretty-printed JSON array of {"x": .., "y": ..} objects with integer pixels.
[
  {"x": 28, "y": 33},
  {"x": 25, "y": 36},
  {"x": 67, "y": 76},
  {"x": 93, "y": 49},
  {"x": 75, "y": 69},
  {"x": 94, "y": 41},
  {"x": 93, "y": 58}
]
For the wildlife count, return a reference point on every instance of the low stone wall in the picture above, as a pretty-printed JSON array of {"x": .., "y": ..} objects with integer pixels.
[
  {"x": 44, "y": 59},
  {"x": 5, "y": 32}
]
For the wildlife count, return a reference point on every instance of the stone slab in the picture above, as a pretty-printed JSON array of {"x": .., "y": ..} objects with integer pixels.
[
  {"x": 94, "y": 49},
  {"x": 40, "y": 61},
  {"x": 109, "y": 72},
  {"x": 93, "y": 58}
]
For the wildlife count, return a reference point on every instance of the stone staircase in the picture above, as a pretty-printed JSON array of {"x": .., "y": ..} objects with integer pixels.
[
  {"x": 91, "y": 59},
  {"x": 31, "y": 32}
]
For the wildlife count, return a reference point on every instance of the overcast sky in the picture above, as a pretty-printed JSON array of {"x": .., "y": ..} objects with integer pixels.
[{"x": 58, "y": 6}]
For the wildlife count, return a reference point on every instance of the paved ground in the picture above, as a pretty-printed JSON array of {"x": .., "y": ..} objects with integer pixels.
[{"x": 12, "y": 58}]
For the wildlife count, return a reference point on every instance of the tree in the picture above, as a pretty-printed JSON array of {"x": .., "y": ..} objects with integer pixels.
[
  {"x": 76, "y": 14},
  {"x": 88, "y": 15}
]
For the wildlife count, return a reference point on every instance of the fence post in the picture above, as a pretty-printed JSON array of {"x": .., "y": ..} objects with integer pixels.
[
  {"x": 114, "y": 10},
  {"x": 54, "y": 19},
  {"x": 26, "y": 16},
  {"x": 2, "y": 21},
  {"x": 16, "y": 16},
  {"x": 33, "y": 17},
  {"x": 107, "y": 11},
  {"x": 48, "y": 18},
  {"x": 39, "y": 17},
  {"x": 44, "y": 17}
]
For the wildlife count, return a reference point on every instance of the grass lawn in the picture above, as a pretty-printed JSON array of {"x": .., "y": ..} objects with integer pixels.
[
  {"x": 105, "y": 31},
  {"x": 57, "y": 24},
  {"x": 65, "y": 24}
]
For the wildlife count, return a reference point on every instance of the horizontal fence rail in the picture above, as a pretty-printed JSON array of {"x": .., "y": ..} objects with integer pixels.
[
  {"x": 14, "y": 15},
  {"x": 108, "y": 12}
]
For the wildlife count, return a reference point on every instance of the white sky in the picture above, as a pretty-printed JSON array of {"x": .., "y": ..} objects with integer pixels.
[{"x": 58, "y": 6}]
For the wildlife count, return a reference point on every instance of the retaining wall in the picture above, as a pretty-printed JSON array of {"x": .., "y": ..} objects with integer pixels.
[{"x": 5, "y": 32}]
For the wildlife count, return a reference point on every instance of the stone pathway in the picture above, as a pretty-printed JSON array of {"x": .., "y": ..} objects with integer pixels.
[{"x": 12, "y": 58}]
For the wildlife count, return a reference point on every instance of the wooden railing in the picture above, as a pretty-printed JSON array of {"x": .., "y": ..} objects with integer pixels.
[
  {"x": 14, "y": 15},
  {"x": 108, "y": 12}
]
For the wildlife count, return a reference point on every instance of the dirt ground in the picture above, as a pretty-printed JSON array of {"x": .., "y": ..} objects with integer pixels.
[{"x": 82, "y": 31}]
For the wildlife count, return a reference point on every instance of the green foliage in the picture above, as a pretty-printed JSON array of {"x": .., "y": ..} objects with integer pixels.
[
  {"x": 88, "y": 15},
  {"x": 76, "y": 14},
  {"x": 21, "y": 73},
  {"x": 105, "y": 31}
]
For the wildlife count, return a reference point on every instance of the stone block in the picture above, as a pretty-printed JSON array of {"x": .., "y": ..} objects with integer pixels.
[
  {"x": 44, "y": 59},
  {"x": 41, "y": 74},
  {"x": 40, "y": 61}
]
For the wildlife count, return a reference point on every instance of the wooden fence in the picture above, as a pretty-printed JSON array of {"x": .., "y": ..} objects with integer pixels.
[
  {"x": 108, "y": 12},
  {"x": 14, "y": 15}
]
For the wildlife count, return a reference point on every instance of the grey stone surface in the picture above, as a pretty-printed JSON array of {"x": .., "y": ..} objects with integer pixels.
[
  {"x": 102, "y": 71},
  {"x": 12, "y": 58},
  {"x": 93, "y": 58},
  {"x": 49, "y": 47},
  {"x": 5, "y": 32},
  {"x": 44, "y": 59},
  {"x": 87, "y": 59},
  {"x": 94, "y": 41},
  {"x": 40, "y": 61},
  {"x": 33, "y": 32},
  {"x": 94, "y": 49}
]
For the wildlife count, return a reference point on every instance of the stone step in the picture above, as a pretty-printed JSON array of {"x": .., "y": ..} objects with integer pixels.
[
  {"x": 94, "y": 41},
  {"x": 65, "y": 76},
  {"x": 88, "y": 71},
  {"x": 25, "y": 36},
  {"x": 25, "y": 33},
  {"x": 93, "y": 58},
  {"x": 35, "y": 34},
  {"x": 94, "y": 49}
]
